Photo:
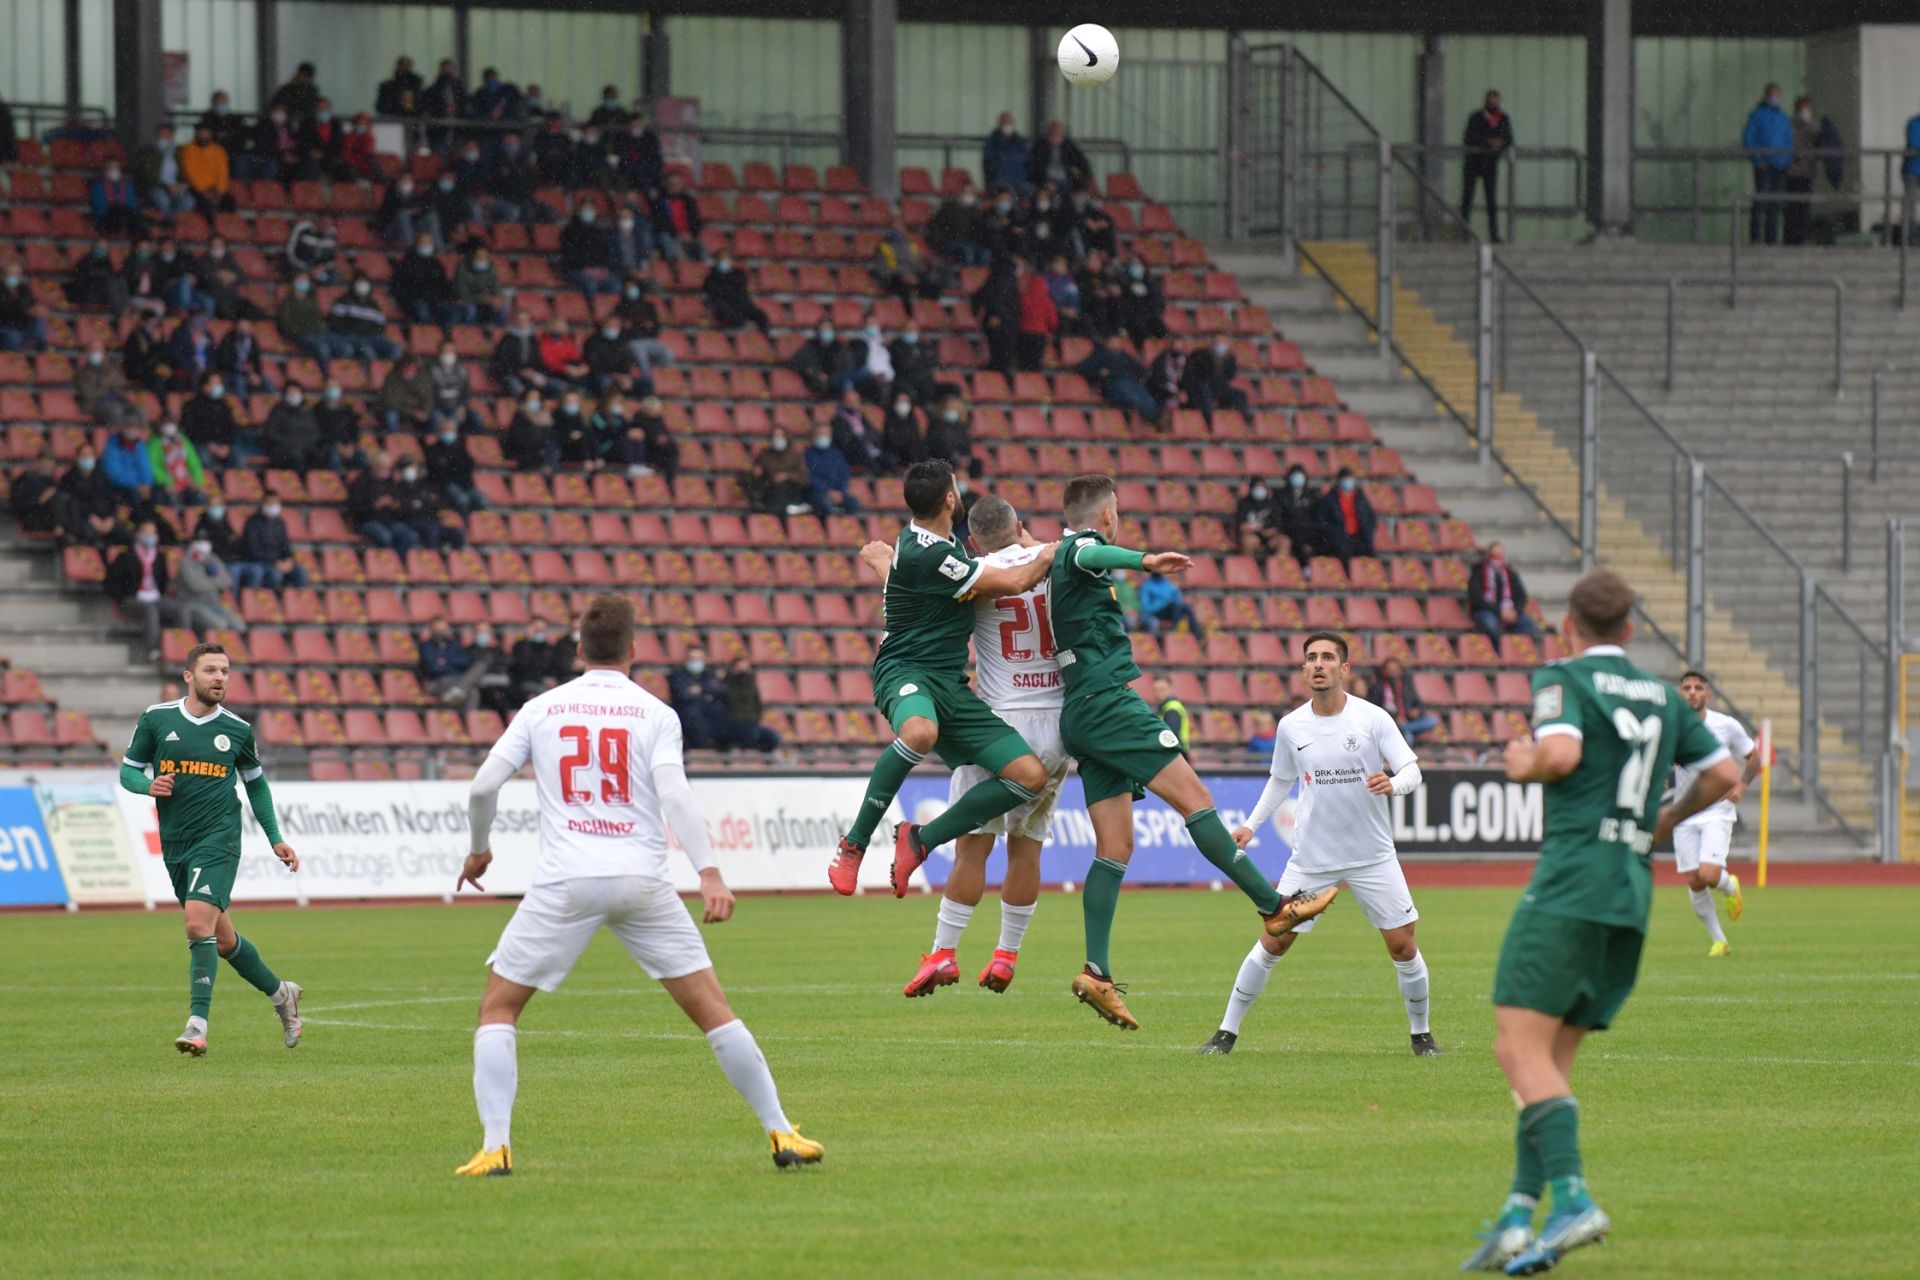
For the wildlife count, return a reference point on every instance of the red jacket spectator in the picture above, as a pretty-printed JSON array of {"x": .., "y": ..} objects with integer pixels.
[
  {"x": 560, "y": 355},
  {"x": 1038, "y": 316},
  {"x": 356, "y": 149}
]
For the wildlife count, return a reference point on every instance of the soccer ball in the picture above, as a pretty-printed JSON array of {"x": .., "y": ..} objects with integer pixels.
[{"x": 1088, "y": 54}]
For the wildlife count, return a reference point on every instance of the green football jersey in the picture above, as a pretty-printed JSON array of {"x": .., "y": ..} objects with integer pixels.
[
  {"x": 202, "y": 757},
  {"x": 1594, "y": 860},
  {"x": 1089, "y": 631},
  {"x": 929, "y": 614}
]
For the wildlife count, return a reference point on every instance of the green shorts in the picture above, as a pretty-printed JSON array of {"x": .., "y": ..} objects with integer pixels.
[
  {"x": 970, "y": 733},
  {"x": 204, "y": 874},
  {"x": 1120, "y": 744},
  {"x": 1576, "y": 970}
]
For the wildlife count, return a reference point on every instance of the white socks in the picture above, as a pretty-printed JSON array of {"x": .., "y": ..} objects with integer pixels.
[
  {"x": 1247, "y": 986},
  {"x": 496, "y": 1074},
  {"x": 950, "y": 924},
  {"x": 1703, "y": 907},
  {"x": 1013, "y": 925},
  {"x": 1724, "y": 885},
  {"x": 747, "y": 1072},
  {"x": 1413, "y": 991}
]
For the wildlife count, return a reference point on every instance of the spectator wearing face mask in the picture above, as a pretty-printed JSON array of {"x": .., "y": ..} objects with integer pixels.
[
  {"x": 1003, "y": 226},
  {"x": 213, "y": 528},
  {"x": 91, "y": 282},
  {"x": 1346, "y": 520},
  {"x": 902, "y": 267},
  {"x": 276, "y": 145},
  {"x": 341, "y": 422},
  {"x": 1209, "y": 380},
  {"x": 399, "y": 94},
  {"x": 630, "y": 245},
  {"x": 447, "y": 669},
  {"x": 829, "y": 478},
  {"x": 479, "y": 297},
  {"x": 874, "y": 359},
  {"x": 996, "y": 305},
  {"x": 956, "y": 229},
  {"x": 855, "y": 437},
  {"x": 357, "y": 151},
  {"x": 1058, "y": 159},
  {"x": 126, "y": 462},
  {"x": 226, "y": 128},
  {"x": 420, "y": 507},
  {"x": 374, "y": 509},
  {"x": 156, "y": 170},
  {"x": 1112, "y": 371},
  {"x": 515, "y": 364},
  {"x": 676, "y": 221},
  {"x": 1488, "y": 140},
  {"x": 450, "y": 469},
  {"x": 648, "y": 446},
  {"x": 495, "y": 684},
  {"x": 1064, "y": 290},
  {"x": 1166, "y": 378},
  {"x": 143, "y": 281},
  {"x": 1039, "y": 323},
  {"x": 179, "y": 479},
  {"x": 640, "y": 325},
  {"x": 404, "y": 214},
  {"x": 825, "y": 363},
  {"x": 1090, "y": 229},
  {"x": 137, "y": 581},
  {"x": 1768, "y": 141},
  {"x": 147, "y": 357},
  {"x": 702, "y": 699},
  {"x": 1047, "y": 224},
  {"x": 422, "y": 288},
  {"x": 208, "y": 419},
  {"x": 903, "y": 436},
  {"x": 1299, "y": 520},
  {"x": 323, "y": 145},
  {"x": 778, "y": 482},
  {"x": 729, "y": 300},
  {"x": 641, "y": 160},
  {"x": 300, "y": 322},
  {"x": 509, "y": 186},
  {"x": 312, "y": 248},
  {"x": 1808, "y": 138},
  {"x": 266, "y": 550},
  {"x": 202, "y": 587},
  {"x": 216, "y": 276},
  {"x": 529, "y": 443},
  {"x": 238, "y": 360},
  {"x": 1497, "y": 599},
  {"x": 1142, "y": 308},
  {"x": 950, "y": 435},
  {"x": 1004, "y": 157},
  {"x": 1256, "y": 527},
  {"x": 469, "y": 177},
  {"x": 115, "y": 204},
  {"x": 1393, "y": 692},
  {"x": 609, "y": 358},
  {"x": 537, "y": 663},
  {"x": 407, "y": 396},
  {"x": 586, "y": 255},
  {"x": 193, "y": 348},
  {"x": 574, "y": 435},
  {"x": 915, "y": 368},
  {"x": 205, "y": 168},
  {"x": 291, "y": 434},
  {"x": 23, "y": 321},
  {"x": 358, "y": 320},
  {"x": 100, "y": 388},
  {"x": 560, "y": 356},
  {"x": 87, "y": 505},
  {"x": 1163, "y": 604},
  {"x": 453, "y": 391}
]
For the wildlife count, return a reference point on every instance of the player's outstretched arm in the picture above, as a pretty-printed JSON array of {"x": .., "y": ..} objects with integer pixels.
[
  {"x": 1710, "y": 787},
  {"x": 996, "y": 580},
  {"x": 260, "y": 796},
  {"x": 878, "y": 556},
  {"x": 690, "y": 826}
]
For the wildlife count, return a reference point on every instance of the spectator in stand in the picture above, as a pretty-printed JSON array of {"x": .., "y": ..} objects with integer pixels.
[
  {"x": 950, "y": 436},
  {"x": 447, "y": 669},
  {"x": 729, "y": 300},
  {"x": 956, "y": 229},
  {"x": 901, "y": 265},
  {"x": 629, "y": 244},
  {"x": 193, "y": 348},
  {"x": 356, "y": 150},
  {"x": 1809, "y": 133},
  {"x": 495, "y": 686},
  {"x": 276, "y": 144},
  {"x": 509, "y": 186},
  {"x": 179, "y": 285},
  {"x": 700, "y": 697},
  {"x": 903, "y": 437},
  {"x": 100, "y": 388},
  {"x": 996, "y": 305},
  {"x": 206, "y": 169},
  {"x": 649, "y": 447},
  {"x": 291, "y": 434},
  {"x": 1260, "y": 741},
  {"x": 299, "y": 321},
  {"x": 537, "y": 663},
  {"x": 609, "y": 114},
  {"x": 156, "y": 171},
  {"x": 555, "y": 156},
  {"x": 422, "y": 288},
  {"x": 299, "y": 96},
  {"x": 446, "y": 97},
  {"x": 216, "y": 277},
  {"x": 266, "y": 550},
  {"x": 179, "y": 479},
  {"x": 676, "y": 220},
  {"x": 348, "y": 458},
  {"x": 914, "y": 365},
  {"x": 1256, "y": 526},
  {"x": 420, "y": 506},
  {"x": 374, "y": 508},
  {"x": 1345, "y": 518},
  {"x": 1039, "y": 324},
  {"x": 478, "y": 295},
  {"x": 853, "y": 435},
  {"x": 453, "y": 391},
  {"x": 529, "y": 442},
  {"x": 451, "y": 206},
  {"x": 1497, "y": 599},
  {"x": 640, "y": 325},
  {"x": 1488, "y": 140},
  {"x": 407, "y": 396},
  {"x": 1003, "y": 226},
  {"x": 825, "y": 363},
  {"x": 1768, "y": 140},
  {"x": 873, "y": 358},
  {"x": 340, "y": 424},
  {"x": 744, "y": 704},
  {"x": 238, "y": 360},
  {"x": 323, "y": 147},
  {"x": 778, "y": 482},
  {"x": 1910, "y": 178},
  {"x": 1209, "y": 380},
  {"x": 359, "y": 320},
  {"x": 147, "y": 356},
  {"x": 1166, "y": 378},
  {"x": 33, "y": 498},
  {"x": 312, "y": 248},
  {"x": 1004, "y": 157},
  {"x": 642, "y": 163},
  {"x": 137, "y": 581},
  {"x": 23, "y": 321},
  {"x": 91, "y": 281},
  {"x": 88, "y": 506},
  {"x": 560, "y": 356},
  {"x": 609, "y": 358},
  {"x": 1113, "y": 372},
  {"x": 213, "y": 528},
  {"x": 1393, "y": 693},
  {"x": 495, "y": 99},
  {"x": 143, "y": 281},
  {"x": 209, "y": 420},
  {"x": 1101, "y": 284},
  {"x": 515, "y": 363},
  {"x": 1299, "y": 519},
  {"x": 450, "y": 469},
  {"x": 1058, "y": 159},
  {"x": 573, "y": 433},
  {"x": 1173, "y": 713},
  {"x": 1047, "y": 222},
  {"x": 115, "y": 204},
  {"x": 227, "y": 129},
  {"x": 1065, "y": 292},
  {"x": 1142, "y": 308},
  {"x": 1091, "y": 230},
  {"x": 126, "y": 463},
  {"x": 1163, "y": 604},
  {"x": 405, "y": 215},
  {"x": 399, "y": 95}
]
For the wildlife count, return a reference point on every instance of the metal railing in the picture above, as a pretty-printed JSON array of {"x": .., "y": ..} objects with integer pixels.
[
  {"x": 1425, "y": 207},
  {"x": 1712, "y": 171},
  {"x": 1753, "y": 202},
  {"x": 29, "y": 117}
]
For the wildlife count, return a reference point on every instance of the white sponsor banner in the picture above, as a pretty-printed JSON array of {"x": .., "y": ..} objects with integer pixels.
[{"x": 409, "y": 839}]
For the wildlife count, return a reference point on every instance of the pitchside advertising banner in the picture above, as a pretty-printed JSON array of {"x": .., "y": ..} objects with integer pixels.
[{"x": 78, "y": 838}]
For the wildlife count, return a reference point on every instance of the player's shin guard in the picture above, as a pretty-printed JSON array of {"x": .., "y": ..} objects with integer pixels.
[
  {"x": 1013, "y": 925},
  {"x": 1247, "y": 986},
  {"x": 247, "y": 963},
  {"x": 949, "y": 923},
  {"x": 1216, "y": 845},
  {"x": 981, "y": 804},
  {"x": 496, "y": 1077},
  {"x": 1552, "y": 1128},
  {"x": 1099, "y": 899},
  {"x": 883, "y": 783},
  {"x": 746, "y": 1070},
  {"x": 203, "y": 964},
  {"x": 1703, "y": 906},
  {"x": 1413, "y": 991}
]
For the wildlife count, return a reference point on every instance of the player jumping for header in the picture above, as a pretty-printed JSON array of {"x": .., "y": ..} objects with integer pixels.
[
  {"x": 607, "y": 764},
  {"x": 1701, "y": 843},
  {"x": 194, "y": 747},
  {"x": 1605, "y": 732},
  {"x": 1019, "y": 679},
  {"x": 1349, "y": 756},
  {"x": 920, "y": 684},
  {"x": 1123, "y": 748}
]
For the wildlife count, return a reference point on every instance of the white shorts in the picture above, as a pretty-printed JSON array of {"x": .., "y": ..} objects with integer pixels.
[
  {"x": 1034, "y": 819},
  {"x": 1380, "y": 889},
  {"x": 1695, "y": 843},
  {"x": 554, "y": 923}
]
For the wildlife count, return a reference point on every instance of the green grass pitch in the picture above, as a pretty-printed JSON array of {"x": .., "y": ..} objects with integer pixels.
[{"x": 1747, "y": 1118}]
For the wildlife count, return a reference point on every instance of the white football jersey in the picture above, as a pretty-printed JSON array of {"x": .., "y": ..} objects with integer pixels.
[
  {"x": 1338, "y": 823},
  {"x": 1739, "y": 744},
  {"x": 594, "y": 743},
  {"x": 1013, "y": 658}
]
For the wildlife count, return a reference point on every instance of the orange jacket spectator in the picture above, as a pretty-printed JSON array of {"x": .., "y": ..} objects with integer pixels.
[{"x": 203, "y": 166}]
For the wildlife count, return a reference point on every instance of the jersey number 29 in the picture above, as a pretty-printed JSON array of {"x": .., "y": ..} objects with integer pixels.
[
  {"x": 609, "y": 749},
  {"x": 1025, "y": 618},
  {"x": 1636, "y": 776}
]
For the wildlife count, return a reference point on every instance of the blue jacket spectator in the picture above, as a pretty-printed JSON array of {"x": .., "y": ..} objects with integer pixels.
[
  {"x": 828, "y": 475},
  {"x": 125, "y": 461},
  {"x": 1769, "y": 142},
  {"x": 442, "y": 654},
  {"x": 1003, "y": 157},
  {"x": 1911, "y": 167},
  {"x": 266, "y": 551},
  {"x": 699, "y": 698},
  {"x": 115, "y": 204},
  {"x": 1162, "y": 603},
  {"x": 1118, "y": 377},
  {"x": 1346, "y": 518}
]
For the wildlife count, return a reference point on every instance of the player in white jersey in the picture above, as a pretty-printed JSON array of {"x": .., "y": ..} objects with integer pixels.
[
  {"x": 607, "y": 764},
  {"x": 1349, "y": 756},
  {"x": 1015, "y": 675},
  {"x": 1701, "y": 843}
]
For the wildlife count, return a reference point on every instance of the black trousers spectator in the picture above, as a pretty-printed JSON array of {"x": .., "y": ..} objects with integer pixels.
[
  {"x": 775, "y": 499},
  {"x": 1484, "y": 170},
  {"x": 1001, "y": 349},
  {"x": 1207, "y": 399},
  {"x": 1798, "y": 215},
  {"x": 1763, "y": 220},
  {"x": 1346, "y": 546},
  {"x": 718, "y": 731},
  {"x": 1030, "y": 350},
  {"x": 728, "y": 316}
]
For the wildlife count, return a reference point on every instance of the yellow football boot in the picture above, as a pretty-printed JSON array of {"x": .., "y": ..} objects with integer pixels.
[
  {"x": 497, "y": 1163},
  {"x": 790, "y": 1150},
  {"x": 1736, "y": 901},
  {"x": 1717, "y": 950},
  {"x": 1102, "y": 995}
]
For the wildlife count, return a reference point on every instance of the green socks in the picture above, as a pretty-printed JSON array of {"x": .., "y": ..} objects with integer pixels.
[
  {"x": 1217, "y": 846},
  {"x": 1552, "y": 1129},
  {"x": 203, "y": 963},
  {"x": 1099, "y": 899},
  {"x": 889, "y": 771},
  {"x": 1529, "y": 1176},
  {"x": 247, "y": 963},
  {"x": 981, "y": 804}
]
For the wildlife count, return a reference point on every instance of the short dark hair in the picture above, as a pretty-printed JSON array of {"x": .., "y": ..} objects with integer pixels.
[
  {"x": 994, "y": 520},
  {"x": 1601, "y": 603},
  {"x": 1687, "y": 675},
  {"x": 1084, "y": 497},
  {"x": 927, "y": 486},
  {"x": 606, "y": 630},
  {"x": 1333, "y": 638},
  {"x": 201, "y": 650}
]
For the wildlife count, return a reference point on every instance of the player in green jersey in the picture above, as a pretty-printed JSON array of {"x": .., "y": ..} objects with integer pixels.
[
  {"x": 1606, "y": 735},
  {"x": 920, "y": 684},
  {"x": 194, "y": 747},
  {"x": 1124, "y": 749}
]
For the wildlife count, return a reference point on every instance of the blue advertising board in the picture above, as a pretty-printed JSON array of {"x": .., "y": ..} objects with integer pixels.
[{"x": 29, "y": 876}]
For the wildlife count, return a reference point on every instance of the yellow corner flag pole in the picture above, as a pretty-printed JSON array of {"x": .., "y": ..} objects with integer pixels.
[{"x": 1766, "y": 797}]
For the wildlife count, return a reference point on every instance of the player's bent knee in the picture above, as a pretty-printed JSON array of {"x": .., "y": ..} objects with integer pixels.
[
  {"x": 920, "y": 734},
  {"x": 1026, "y": 772}
]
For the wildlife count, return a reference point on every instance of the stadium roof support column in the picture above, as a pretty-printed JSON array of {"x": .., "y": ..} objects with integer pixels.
[
  {"x": 869, "y": 34},
  {"x": 656, "y": 59},
  {"x": 1043, "y": 80},
  {"x": 71, "y": 63},
  {"x": 1430, "y": 104},
  {"x": 1610, "y": 117},
  {"x": 139, "y": 103},
  {"x": 266, "y": 49}
]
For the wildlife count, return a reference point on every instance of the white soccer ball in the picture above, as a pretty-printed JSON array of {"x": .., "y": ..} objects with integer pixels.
[{"x": 1089, "y": 55}]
